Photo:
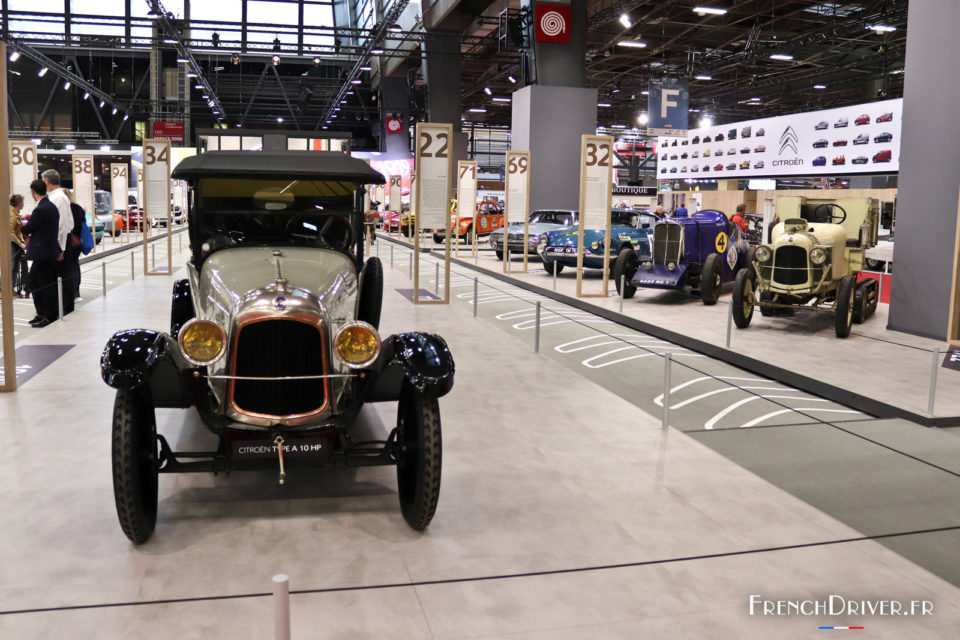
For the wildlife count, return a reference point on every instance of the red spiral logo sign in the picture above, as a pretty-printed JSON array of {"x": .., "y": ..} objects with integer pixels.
[{"x": 552, "y": 22}]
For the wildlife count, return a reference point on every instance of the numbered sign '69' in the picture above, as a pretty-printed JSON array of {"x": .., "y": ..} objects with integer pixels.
[
  {"x": 23, "y": 170},
  {"x": 434, "y": 167},
  {"x": 518, "y": 202},
  {"x": 596, "y": 192},
  {"x": 156, "y": 198}
]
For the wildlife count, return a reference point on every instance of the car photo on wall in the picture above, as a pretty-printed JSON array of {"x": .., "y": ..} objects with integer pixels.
[
  {"x": 859, "y": 160},
  {"x": 884, "y": 137},
  {"x": 839, "y": 143},
  {"x": 760, "y": 149},
  {"x": 839, "y": 160},
  {"x": 820, "y": 161},
  {"x": 883, "y": 156},
  {"x": 862, "y": 139},
  {"x": 759, "y": 165},
  {"x": 745, "y": 164},
  {"x": 842, "y": 122},
  {"x": 885, "y": 117},
  {"x": 821, "y": 143},
  {"x": 862, "y": 119},
  {"x": 821, "y": 125}
]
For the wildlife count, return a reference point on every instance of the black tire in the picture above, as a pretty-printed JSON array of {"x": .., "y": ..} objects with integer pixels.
[
  {"x": 181, "y": 306},
  {"x": 419, "y": 457},
  {"x": 844, "y": 311},
  {"x": 872, "y": 264},
  {"x": 370, "y": 300},
  {"x": 743, "y": 298},
  {"x": 498, "y": 253},
  {"x": 438, "y": 239},
  {"x": 750, "y": 259},
  {"x": 550, "y": 265},
  {"x": 625, "y": 265},
  {"x": 865, "y": 300},
  {"x": 134, "y": 456},
  {"x": 711, "y": 280},
  {"x": 468, "y": 236}
]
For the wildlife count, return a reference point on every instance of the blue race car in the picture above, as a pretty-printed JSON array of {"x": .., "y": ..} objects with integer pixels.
[
  {"x": 558, "y": 249},
  {"x": 702, "y": 252}
]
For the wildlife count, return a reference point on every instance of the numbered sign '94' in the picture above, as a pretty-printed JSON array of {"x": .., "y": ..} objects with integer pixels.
[
  {"x": 434, "y": 168},
  {"x": 119, "y": 184},
  {"x": 596, "y": 179},
  {"x": 23, "y": 170},
  {"x": 82, "y": 167}
]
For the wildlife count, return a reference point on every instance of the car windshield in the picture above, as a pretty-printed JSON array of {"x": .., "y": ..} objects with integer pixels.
[
  {"x": 637, "y": 219},
  {"x": 565, "y": 218},
  {"x": 102, "y": 202},
  {"x": 233, "y": 211}
]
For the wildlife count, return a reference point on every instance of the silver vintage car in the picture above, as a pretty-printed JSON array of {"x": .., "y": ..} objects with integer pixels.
[{"x": 273, "y": 339}]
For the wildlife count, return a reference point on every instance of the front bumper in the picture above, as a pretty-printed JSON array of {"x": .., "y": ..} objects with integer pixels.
[{"x": 660, "y": 277}]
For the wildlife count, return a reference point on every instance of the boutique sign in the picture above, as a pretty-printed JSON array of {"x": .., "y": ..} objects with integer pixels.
[{"x": 848, "y": 140}]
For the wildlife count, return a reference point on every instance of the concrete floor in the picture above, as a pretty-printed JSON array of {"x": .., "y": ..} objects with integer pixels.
[{"x": 565, "y": 512}]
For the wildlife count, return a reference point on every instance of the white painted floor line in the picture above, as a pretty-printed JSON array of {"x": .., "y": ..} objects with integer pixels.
[
  {"x": 772, "y": 414},
  {"x": 637, "y": 339},
  {"x": 709, "y": 424},
  {"x": 679, "y": 354}
]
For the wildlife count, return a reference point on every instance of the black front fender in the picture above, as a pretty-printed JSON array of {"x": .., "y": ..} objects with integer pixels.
[
  {"x": 139, "y": 357},
  {"x": 422, "y": 359}
]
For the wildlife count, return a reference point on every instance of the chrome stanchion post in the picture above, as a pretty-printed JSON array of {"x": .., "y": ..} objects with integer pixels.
[
  {"x": 391, "y": 255},
  {"x": 103, "y": 276},
  {"x": 281, "y": 607},
  {"x": 667, "y": 362},
  {"x": 622, "y": 290},
  {"x": 475, "y": 279},
  {"x": 555, "y": 275},
  {"x": 153, "y": 257},
  {"x": 729, "y": 322},
  {"x": 133, "y": 267},
  {"x": 436, "y": 279},
  {"x": 934, "y": 369},
  {"x": 410, "y": 270},
  {"x": 536, "y": 331},
  {"x": 60, "y": 297}
]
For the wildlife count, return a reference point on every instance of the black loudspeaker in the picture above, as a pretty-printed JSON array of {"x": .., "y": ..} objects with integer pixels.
[{"x": 511, "y": 30}]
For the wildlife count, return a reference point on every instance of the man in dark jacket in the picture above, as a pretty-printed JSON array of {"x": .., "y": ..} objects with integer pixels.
[{"x": 44, "y": 251}]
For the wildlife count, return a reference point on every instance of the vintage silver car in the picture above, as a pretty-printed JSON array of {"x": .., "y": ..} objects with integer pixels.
[{"x": 273, "y": 339}]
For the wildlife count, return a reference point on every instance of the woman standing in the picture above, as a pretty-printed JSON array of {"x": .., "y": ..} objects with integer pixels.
[{"x": 17, "y": 246}]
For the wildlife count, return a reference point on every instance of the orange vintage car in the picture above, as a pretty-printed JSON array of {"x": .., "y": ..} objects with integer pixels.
[{"x": 487, "y": 217}]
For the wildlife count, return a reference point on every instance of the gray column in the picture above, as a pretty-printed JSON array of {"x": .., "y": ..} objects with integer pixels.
[
  {"x": 561, "y": 63},
  {"x": 929, "y": 180},
  {"x": 549, "y": 121},
  {"x": 441, "y": 75},
  {"x": 395, "y": 98}
]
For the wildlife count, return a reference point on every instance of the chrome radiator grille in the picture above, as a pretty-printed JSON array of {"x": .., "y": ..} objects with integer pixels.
[{"x": 667, "y": 243}]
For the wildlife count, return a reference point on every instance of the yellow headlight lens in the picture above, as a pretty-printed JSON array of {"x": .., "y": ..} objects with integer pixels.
[
  {"x": 202, "y": 342},
  {"x": 357, "y": 344}
]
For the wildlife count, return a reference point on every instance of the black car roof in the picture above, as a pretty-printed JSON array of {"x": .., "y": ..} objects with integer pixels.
[{"x": 305, "y": 165}]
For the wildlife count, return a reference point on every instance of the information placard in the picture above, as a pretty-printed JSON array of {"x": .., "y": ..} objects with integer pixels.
[
  {"x": 466, "y": 198},
  {"x": 434, "y": 166},
  {"x": 518, "y": 201},
  {"x": 82, "y": 168},
  {"x": 119, "y": 187},
  {"x": 396, "y": 193},
  {"x": 23, "y": 171},
  {"x": 156, "y": 197},
  {"x": 596, "y": 178}
]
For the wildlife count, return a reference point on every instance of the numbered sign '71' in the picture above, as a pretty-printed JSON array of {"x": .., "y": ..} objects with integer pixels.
[
  {"x": 518, "y": 202},
  {"x": 434, "y": 167},
  {"x": 466, "y": 201},
  {"x": 156, "y": 196},
  {"x": 596, "y": 192}
]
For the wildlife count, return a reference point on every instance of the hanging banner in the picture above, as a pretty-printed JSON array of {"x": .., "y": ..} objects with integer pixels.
[
  {"x": 518, "y": 203},
  {"x": 156, "y": 197},
  {"x": 596, "y": 193},
  {"x": 434, "y": 167},
  {"x": 82, "y": 166},
  {"x": 23, "y": 171},
  {"x": 466, "y": 201},
  {"x": 668, "y": 107}
]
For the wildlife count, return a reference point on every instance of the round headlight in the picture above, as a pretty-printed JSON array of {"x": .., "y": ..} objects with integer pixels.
[
  {"x": 671, "y": 266},
  {"x": 595, "y": 245},
  {"x": 357, "y": 344},
  {"x": 648, "y": 265},
  {"x": 202, "y": 342},
  {"x": 763, "y": 253},
  {"x": 818, "y": 255}
]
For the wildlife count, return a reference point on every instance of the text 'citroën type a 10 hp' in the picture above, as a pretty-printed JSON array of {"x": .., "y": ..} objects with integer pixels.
[{"x": 274, "y": 339}]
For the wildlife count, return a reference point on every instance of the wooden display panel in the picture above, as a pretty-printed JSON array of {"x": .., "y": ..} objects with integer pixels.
[
  {"x": 396, "y": 193},
  {"x": 156, "y": 194},
  {"x": 466, "y": 197},
  {"x": 7, "y": 166},
  {"x": 953, "y": 326},
  {"x": 434, "y": 166},
  {"x": 119, "y": 187},
  {"x": 596, "y": 193},
  {"x": 23, "y": 170},
  {"x": 81, "y": 166},
  {"x": 517, "y": 209}
]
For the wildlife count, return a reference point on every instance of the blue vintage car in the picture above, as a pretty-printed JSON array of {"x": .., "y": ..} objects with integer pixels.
[
  {"x": 558, "y": 249},
  {"x": 541, "y": 221},
  {"x": 701, "y": 252}
]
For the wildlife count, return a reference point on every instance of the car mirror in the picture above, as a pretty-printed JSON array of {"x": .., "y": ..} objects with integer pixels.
[{"x": 273, "y": 199}]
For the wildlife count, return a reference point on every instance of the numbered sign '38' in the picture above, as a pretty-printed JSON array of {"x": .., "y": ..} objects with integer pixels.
[
  {"x": 518, "y": 201},
  {"x": 596, "y": 192},
  {"x": 82, "y": 168},
  {"x": 434, "y": 167}
]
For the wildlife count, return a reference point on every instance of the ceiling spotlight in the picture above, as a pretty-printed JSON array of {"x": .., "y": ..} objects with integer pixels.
[
  {"x": 366, "y": 68},
  {"x": 86, "y": 95},
  {"x": 781, "y": 56},
  {"x": 105, "y": 147},
  {"x": 316, "y": 62},
  {"x": 755, "y": 99},
  {"x": 705, "y": 122},
  {"x": 477, "y": 110},
  {"x": 512, "y": 79},
  {"x": 501, "y": 99},
  {"x": 198, "y": 86},
  {"x": 206, "y": 96},
  {"x": 343, "y": 102},
  {"x": 280, "y": 120},
  {"x": 603, "y": 104},
  {"x": 625, "y": 21},
  {"x": 125, "y": 116},
  {"x": 276, "y": 60},
  {"x": 703, "y": 77},
  {"x": 102, "y": 102},
  {"x": 632, "y": 43},
  {"x": 42, "y": 72},
  {"x": 114, "y": 112},
  {"x": 488, "y": 91},
  {"x": 191, "y": 74},
  {"x": 239, "y": 124},
  {"x": 376, "y": 52},
  {"x": 709, "y": 10},
  {"x": 642, "y": 118},
  {"x": 644, "y": 93},
  {"x": 618, "y": 126},
  {"x": 336, "y": 108},
  {"x": 324, "y": 127},
  {"x": 882, "y": 28},
  {"x": 181, "y": 59},
  {"x": 819, "y": 86},
  {"x": 395, "y": 28},
  {"x": 70, "y": 147},
  {"x": 616, "y": 89},
  {"x": 14, "y": 56},
  {"x": 66, "y": 85},
  {"x": 356, "y": 81},
  {"x": 350, "y": 92}
]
